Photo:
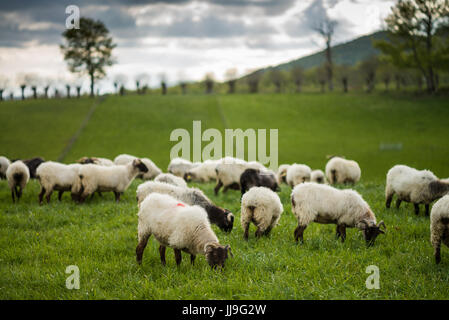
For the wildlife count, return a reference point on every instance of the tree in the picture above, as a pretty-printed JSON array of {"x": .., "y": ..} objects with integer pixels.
[
  {"x": 368, "y": 70},
  {"x": 416, "y": 42},
  {"x": 253, "y": 80},
  {"x": 4, "y": 82},
  {"x": 88, "y": 50},
  {"x": 142, "y": 82},
  {"x": 277, "y": 77},
  {"x": 231, "y": 79},
  {"x": 209, "y": 82},
  {"x": 163, "y": 78},
  {"x": 343, "y": 73},
  {"x": 120, "y": 81},
  {"x": 326, "y": 29},
  {"x": 297, "y": 76}
]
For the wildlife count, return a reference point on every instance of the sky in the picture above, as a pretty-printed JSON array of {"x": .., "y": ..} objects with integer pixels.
[{"x": 177, "y": 39}]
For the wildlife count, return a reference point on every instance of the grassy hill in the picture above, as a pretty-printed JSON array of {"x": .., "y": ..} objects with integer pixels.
[{"x": 37, "y": 243}]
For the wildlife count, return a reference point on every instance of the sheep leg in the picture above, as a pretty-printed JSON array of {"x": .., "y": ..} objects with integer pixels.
[
  {"x": 117, "y": 196},
  {"x": 416, "y": 208},
  {"x": 258, "y": 233},
  {"x": 141, "y": 247},
  {"x": 19, "y": 192},
  {"x": 299, "y": 231},
  {"x": 178, "y": 256},
  {"x": 437, "y": 249},
  {"x": 41, "y": 195},
  {"x": 192, "y": 259},
  {"x": 162, "y": 254},
  {"x": 398, "y": 203},
  {"x": 388, "y": 201},
  {"x": 341, "y": 231},
  {"x": 13, "y": 192},
  {"x": 48, "y": 196},
  {"x": 427, "y": 210},
  {"x": 218, "y": 187},
  {"x": 267, "y": 231},
  {"x": 246, "y": 234},
  {"x": 60, "y": 195}
]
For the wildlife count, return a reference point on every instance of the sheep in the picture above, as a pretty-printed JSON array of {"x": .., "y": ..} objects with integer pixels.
[
  {"x": 411, "y": 185},
  {"x": 223, "y": 218},
  {"x": 298, "y": 173},
  {"x": 257, "y": 178},
  {"x": 282, "y": 173},
  {"x": 18, "y": 176},
  {"x": 179, "y": 166},
  {"x": 261, "y": 206},
  {"x": 171, "y": 179},
  {"x": 439, "y": 226},
  {"x": 153, "y": 170},
  {"x": 340, "y": 170},
  {"x": 4, "y": 164},
  {"x": 32, "y": 165},
  {"x": 94, "y": 160},
  {"x": 229, "y": 171},
  {"x": 313, "y": 202},
  {"x": 182, "y": 227},
  {"x": 204, "y": 172},
  {"x": 116, "y": 178},
  {"x": 317, "y": 176},
  {"x": 60, "y": 177}
]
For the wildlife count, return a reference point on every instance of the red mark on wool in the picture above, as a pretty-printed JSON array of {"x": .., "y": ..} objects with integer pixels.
[{"x": 180, "y": 205}]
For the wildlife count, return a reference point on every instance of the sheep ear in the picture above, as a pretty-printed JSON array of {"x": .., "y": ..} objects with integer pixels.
[{"x": 228, "y": 248}]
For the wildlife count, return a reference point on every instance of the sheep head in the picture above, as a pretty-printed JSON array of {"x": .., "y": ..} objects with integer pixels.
[
  {"x": 137, "y": 163},
  {"x": 438, "y": 188},
  {"x": 216, "y": 254},
  {"x": 371, "y": 230},
  {"x": 223, "y": 218},
  {"x": 188, "y": 176}
]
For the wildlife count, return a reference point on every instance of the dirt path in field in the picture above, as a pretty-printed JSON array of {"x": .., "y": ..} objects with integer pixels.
[{"x": 83, "y": 125}]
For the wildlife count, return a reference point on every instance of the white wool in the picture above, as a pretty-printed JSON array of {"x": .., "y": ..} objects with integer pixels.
[
  {"x": 324, "y": 204},
  {"x": 59, "y": 176},
  {"x": 230, "y": 169},
  {"x": 439, "y": 231},
  {"x": 317, "y": 176},
  {"x": 171, "y": 179},
  {"x": 267, "y": 208},
  {"x": 204, "y": 172},
  {"x": 17, "y": 167},
  {"x": 4, "y": 164},
  {"x": 298, "y": 173},
  {"x": 179, "y": 166},
  {"x": 175, "y": 224},
  {"x": 153, "y": 169},
  {"x": 346, "y": 171},
  {"x": 409, "y": 184},
  {"x": 282, "y": 172}
]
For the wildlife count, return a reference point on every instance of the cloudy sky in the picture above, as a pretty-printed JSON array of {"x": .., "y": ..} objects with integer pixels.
[{"x": 180, "y": 38}]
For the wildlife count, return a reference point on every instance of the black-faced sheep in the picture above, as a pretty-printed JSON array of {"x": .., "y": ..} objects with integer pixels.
[
  {"x": 18, "y": 176},
  {"x": 282, "y": 173},
  {"x": 257, "y": 178},
  {"x": 153, "y": 170},
  {"x": 32, "y": 165},
  {"x": 179, "y": 167},
  {"x": 204, "y": 172},
  {"x": 317, "y": 176},
  {"x": 439, "y": 226}
]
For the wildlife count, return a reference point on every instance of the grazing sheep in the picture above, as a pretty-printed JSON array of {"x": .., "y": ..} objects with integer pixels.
[
  {"x": 179, "y": 226},
  {"x": 171, "y": 179},
  {"x": 4, "y": 164},
  {"x": 223, "y": 218},
  {"x": 411, "y": 185},
  {"x": 95, "y": 160},
  {"x": 339, "y": 170},
  {"x": 317, "y": 176},
  {"x": 439, "y": 226},
  {"x": 257, "y": 178},
  {"x": 204, "y": 172},
  {"x": 60, "y": 177},
  {"x": 282, "y": 173},
  {"x": 298, "y": 173},
  {"x": 313, "y": 202},
  {"x": 179, "y": 166},
  {"x": 18, "y": 176},
  {"x": 116, "y": 178},
  {"x": 32, "y": 165},
  {"x": 153, "y": 170},
  {"x": 262, "y": 207}
]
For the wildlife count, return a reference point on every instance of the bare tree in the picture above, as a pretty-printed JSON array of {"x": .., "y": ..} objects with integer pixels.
[
  {"x": 326, "y": 29},
  {"x": 231, "y": 79},
  {"x": 297, "y": 75},
  {"x": 120, "y": 81},
  {"x": 142, "y": 82},
  {"x": 368, "y": 70},
  {"x": 209, "y": 82},
  {"x": 163, "y": 79},
  {"x": 278, "y": 79},
  {"x": 253, "y": 79},
  {"x": 182, "y": 82}
]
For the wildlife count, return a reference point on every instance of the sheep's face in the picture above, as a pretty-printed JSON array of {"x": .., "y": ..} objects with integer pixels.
[
  {"x": 137, "y": 163},
  {"x": 188, "y": 176},
  {"x": 371, "y": 231},
  {"x": 217, "y": 254},
  {"x": 229, "y": 221}
]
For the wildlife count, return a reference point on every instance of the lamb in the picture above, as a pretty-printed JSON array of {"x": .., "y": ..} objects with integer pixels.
[
  {"x": 261, "y": 206},
  {"x": 411, "y": 185},
  {"x": 257, "y": 178},
  {"x": 317, "y": 176},
  {"x": 313, "y": 202},
  {"x": 182, "y": 227},
  {"x": 298, "y": 173},
  {"x": 18, "y": 176},
  {"x": 171, "y": 179},
  {"x": 60, "y": 177},
  {"x": 340, "y": 170},
  {"x": 223, "y": 218},
  {"x": 4, "y": 164},
  {"x": 204, "y": 172},
  {"x": 282, "y": 173},
  {"x": 179, "y": 166},
  {"x": 94, "y": 160},
  {"x": 153, "y": 170},
  {"x": 439, "y": 226},
  {"x": 116, "y": 178}
]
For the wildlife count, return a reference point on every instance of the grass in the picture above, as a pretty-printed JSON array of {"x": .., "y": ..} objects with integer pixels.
[{"x": 37, "y": 243}]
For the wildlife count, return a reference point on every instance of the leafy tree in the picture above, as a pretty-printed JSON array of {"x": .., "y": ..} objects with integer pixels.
[
  {"x": 209, "y": 82},
  {"x": 253, "y": 80},
  {"x": 368, "y": 70},
  {"x": 231, "y": 79},
  {"x": 297, "y": 76},
  {"x": 277, "y": 77},
  {"x": 88, "y": 50}
]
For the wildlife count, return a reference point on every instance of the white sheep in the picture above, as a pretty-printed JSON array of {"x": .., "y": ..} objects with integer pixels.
[
  {"x": 204, "y": 172},
  {"x": 340, "y": 170},
  {"x": 261, "y": 206},
  {"x": 415, "y": 186},
  {"x": 153, "y": 169},
  {"x": 223, "y": 218},
  {"x": 171, "y": 179},
  {"x": 95, "y": 160},
  {"x": 439, "y": 226},
  {"x": 18, "y": 176},
  {"x": 298, "y": 173},
  {"x": 317, "y": 176},
  {"x": 116, "y": 178},
  {"x": 282, "y": 173},
  {"x": 179, "y": 226},
  {"x": 60, "y": 177},
  {"x": 313, "y": 202},
  {"x": 4, "y": 164},
  {"x": 179, "y": 166}
]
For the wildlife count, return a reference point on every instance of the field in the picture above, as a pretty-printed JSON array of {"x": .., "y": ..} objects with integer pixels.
[{"x": 37, "y": 243}]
